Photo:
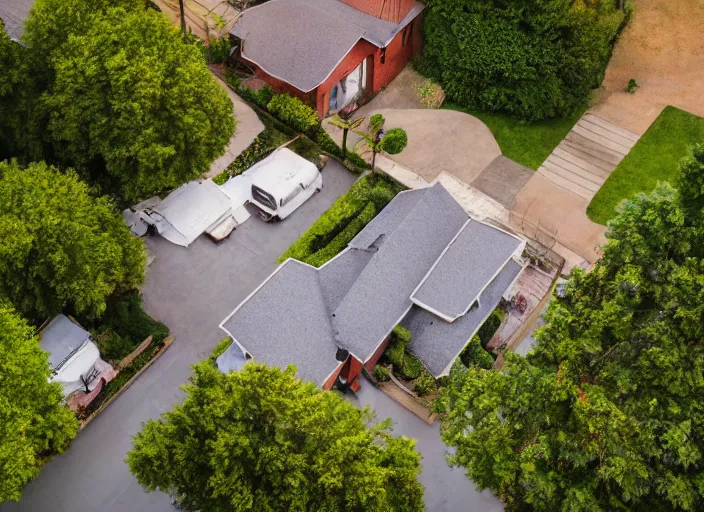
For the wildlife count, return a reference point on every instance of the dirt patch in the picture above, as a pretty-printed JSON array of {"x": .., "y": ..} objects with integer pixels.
[
  {"x": 502, "y": 179},
  {"x": 663, "y": 50},
  {"x": 547, "y": 213}
]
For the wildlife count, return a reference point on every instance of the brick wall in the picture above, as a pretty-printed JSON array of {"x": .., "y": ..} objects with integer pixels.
[
  {"x": 397, "y": 55},
  {"x": 371, "y": 363}
]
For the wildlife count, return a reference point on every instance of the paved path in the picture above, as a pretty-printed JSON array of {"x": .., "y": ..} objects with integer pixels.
[
  {"x": 191, "y": 290},
  {"x": 587, "y": 156},
  {"x": 247, "y": 129}
]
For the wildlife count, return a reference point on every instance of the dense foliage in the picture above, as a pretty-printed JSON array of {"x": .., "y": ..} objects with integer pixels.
[
  {"x": 110, "y": 89},
  {"x": 474, "y": 355},
  {"x": 260, "y": 440},
  {"x": 10, "y": 85},
  {"x": 607, "y": 413},
  {"x": 294, "y": 113},
  {"x": 535, "y": 59},
  {"x": 61, "y": 247},
  {"x": 34, "y": 422},
  {"x": 346, "y": 217}
]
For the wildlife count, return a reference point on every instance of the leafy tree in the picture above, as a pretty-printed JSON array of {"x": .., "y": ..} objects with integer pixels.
[
  {"x": 532, "y": 58},
  {"x": 261, "y": 440},
  {"x": 131, "y": 97},
  {"x": 11, "y": 83},
  {"x": 61, "y": 246},
  {"x": 346, "y": 125},
  {"x": 34, "y": 422},
  {"x": 607, "y": 413}
]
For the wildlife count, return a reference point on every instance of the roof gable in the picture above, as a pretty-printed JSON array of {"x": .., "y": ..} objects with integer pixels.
[
  {"x": 380, "y": 297},
  {"x": 465, "y": 268}
]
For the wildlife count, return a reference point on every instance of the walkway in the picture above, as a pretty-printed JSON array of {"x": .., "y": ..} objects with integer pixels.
[
  {"x": 246, "y": 130},
  {"x": 587, "y": 156}
]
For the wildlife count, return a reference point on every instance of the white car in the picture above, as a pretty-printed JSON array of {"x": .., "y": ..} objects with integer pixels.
[{"x": 281, "y": 183}]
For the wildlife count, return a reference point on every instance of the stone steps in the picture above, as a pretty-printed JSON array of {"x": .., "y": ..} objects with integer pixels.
[{"x": 587, "y": 156}]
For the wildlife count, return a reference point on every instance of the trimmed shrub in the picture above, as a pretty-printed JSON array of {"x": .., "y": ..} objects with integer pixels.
[
  {"x": 425, "y": 384},
  {"x": 113, "y": 347},
  {"x": 394, "y": 141},
  {"x": 412, "y": 367},
  {"x": 402, "y": 334},
  {"x": 490, "y": 326},
  {"x": 339, "y": 243},
  {"x": 295, "y": 113},
  {"x": 395, "y": 353},
  {"x": 381, "y": 374},
  {"x": 261, "y": 146},
  {"x": 475, "y": 355}
]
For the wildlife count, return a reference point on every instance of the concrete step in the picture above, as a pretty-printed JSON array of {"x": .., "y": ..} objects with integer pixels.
[
  {"x": 566, "y": 184},
  {"x": 610, "y": 126},
  {"x": 554, "y": 162},
  {"x": 572, "y": 176},
  {"x": 606, "y": 133},
  {"x": 590, "y": 147},
  {"x": 580, "y": 162},
  {"x": 580, "y": 157},
  {"x": 601, "y": 140}
]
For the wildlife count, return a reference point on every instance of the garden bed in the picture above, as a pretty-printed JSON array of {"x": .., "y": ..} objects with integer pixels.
[
  {"x": 347, "y": 216},
  {"x": 285, "y": 119},
  {"x": 654, "y": 158},
  {"x": 124, "y": 328}
]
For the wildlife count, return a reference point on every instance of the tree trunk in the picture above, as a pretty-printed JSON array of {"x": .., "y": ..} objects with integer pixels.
[
  {"x": 373, "y": 159},
  {"x": 183, "y": 19},
  {"x": 344, "y": 142}
]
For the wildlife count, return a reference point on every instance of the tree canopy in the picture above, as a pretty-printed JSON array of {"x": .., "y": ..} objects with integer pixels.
[
  {"x": 260, "y": 439},
  {"x": 34, "y": 422},
  {"x": 607, "y": 413},
  {"x": 112, "y": 90},
  {"x": 60, "y": 245},
  {"x": 534, "y": 59}
]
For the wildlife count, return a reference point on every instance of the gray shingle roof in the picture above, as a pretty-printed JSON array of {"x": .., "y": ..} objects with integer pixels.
[
  {"x": 300, "y": 315},
  {"x": 302, "y": 41},
  {"x": 287, "y": 322},
  {"x": 13, "y": 13},
  {"x": 380, "y": 297},
  {"x": 338, "y": 275},
  {"x": 437, "y": 342},
  {"x": 464, "y": 269}
]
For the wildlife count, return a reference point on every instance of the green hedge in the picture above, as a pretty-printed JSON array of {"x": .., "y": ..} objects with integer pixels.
[
  {"x": 425, "y": 384},
  {"x": 381, "y": 374},
  {"x": 375, "y": 188},
  {"x": 475, "y": 355},
  {"x": 295, "y": 113},
  {"x": 490, "y": 326},
  {"x": 412, "y": 367},
  {"x": 338, "y": 243}
]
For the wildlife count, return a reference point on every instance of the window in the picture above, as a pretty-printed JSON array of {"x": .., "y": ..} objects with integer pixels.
[{"x": 263, "y": 197}]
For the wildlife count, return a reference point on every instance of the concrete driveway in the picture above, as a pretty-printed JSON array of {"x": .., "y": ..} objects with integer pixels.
[
  {"x": 446, "y": 489},
  {"x": 191, "y": 290}
]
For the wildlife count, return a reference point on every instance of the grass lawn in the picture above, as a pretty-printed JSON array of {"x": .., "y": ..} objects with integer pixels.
[
  {"x": 528, "y": 144},
  {"x": 654, "y": 158}
]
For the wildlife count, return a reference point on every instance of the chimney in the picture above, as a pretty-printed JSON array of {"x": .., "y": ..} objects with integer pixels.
[{"x": 388, "y": 10}]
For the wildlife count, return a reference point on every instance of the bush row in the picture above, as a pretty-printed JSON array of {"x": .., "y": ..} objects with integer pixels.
[
  {"x": 297, "y": 115},
  {"x": 375, "y": 188},
  {"x": 343, "y": 238}
]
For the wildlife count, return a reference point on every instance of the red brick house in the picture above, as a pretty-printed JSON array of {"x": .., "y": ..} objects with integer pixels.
[{"x": 332, "y": 54}]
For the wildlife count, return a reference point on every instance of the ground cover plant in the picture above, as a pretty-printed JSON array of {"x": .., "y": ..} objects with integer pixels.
[{"x": 654, "y": 158}]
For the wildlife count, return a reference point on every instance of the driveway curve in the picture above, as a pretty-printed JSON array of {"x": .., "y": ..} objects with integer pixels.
[{"x": 439, "y": 140}]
